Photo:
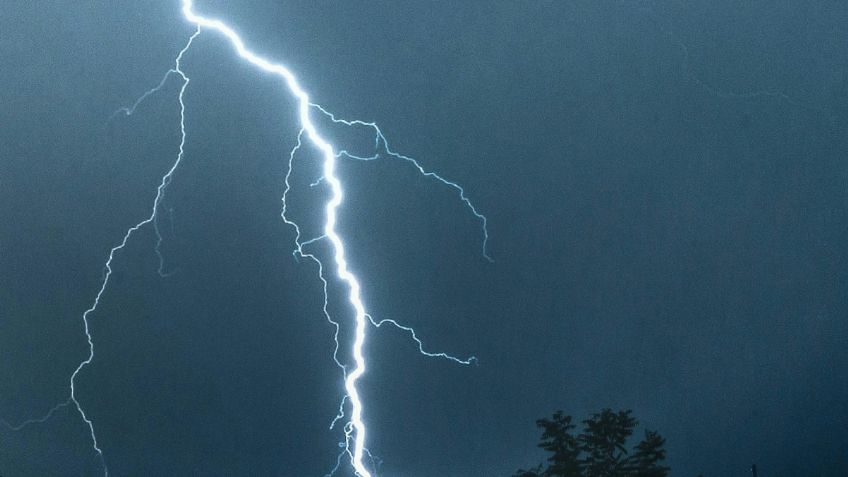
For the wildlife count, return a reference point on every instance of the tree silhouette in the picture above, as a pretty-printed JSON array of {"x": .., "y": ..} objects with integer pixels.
[
  {"x": 557, "y": 439},
  {"x": 648, "y": 456},
  {"x": 600, "y": 450},
  {"x": 603, "y": 441}
]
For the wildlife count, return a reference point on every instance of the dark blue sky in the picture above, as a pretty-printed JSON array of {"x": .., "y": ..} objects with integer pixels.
[{"x": 667, "y": 195}]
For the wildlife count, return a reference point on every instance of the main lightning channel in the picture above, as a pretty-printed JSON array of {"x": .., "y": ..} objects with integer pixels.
[{"x": 331, "y": 208}]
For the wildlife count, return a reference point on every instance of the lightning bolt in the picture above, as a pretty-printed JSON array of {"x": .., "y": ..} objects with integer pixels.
[{"x": 354, "y": 429}]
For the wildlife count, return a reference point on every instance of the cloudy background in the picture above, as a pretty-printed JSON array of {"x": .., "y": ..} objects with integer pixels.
[{"x": 667, "y": 195}]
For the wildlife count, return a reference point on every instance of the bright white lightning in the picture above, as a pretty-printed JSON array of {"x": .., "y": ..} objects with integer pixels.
[
  {"x": 357, "y": 427},
  {"x": 354, "y": 429},
  {"x": 342, "y": 270}
]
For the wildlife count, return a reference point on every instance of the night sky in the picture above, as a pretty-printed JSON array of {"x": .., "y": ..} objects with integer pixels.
[{"x": 666, "y": 187}]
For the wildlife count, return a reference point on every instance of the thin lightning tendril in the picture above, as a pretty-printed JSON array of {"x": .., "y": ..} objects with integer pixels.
[
  {"x": 40, "y": 420},
  {"x": 379, "y": 139},
  {"x": 160, "y": 192},
  {"x": 354, "y": 428},
  {"x": 107, "y": 269}
]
